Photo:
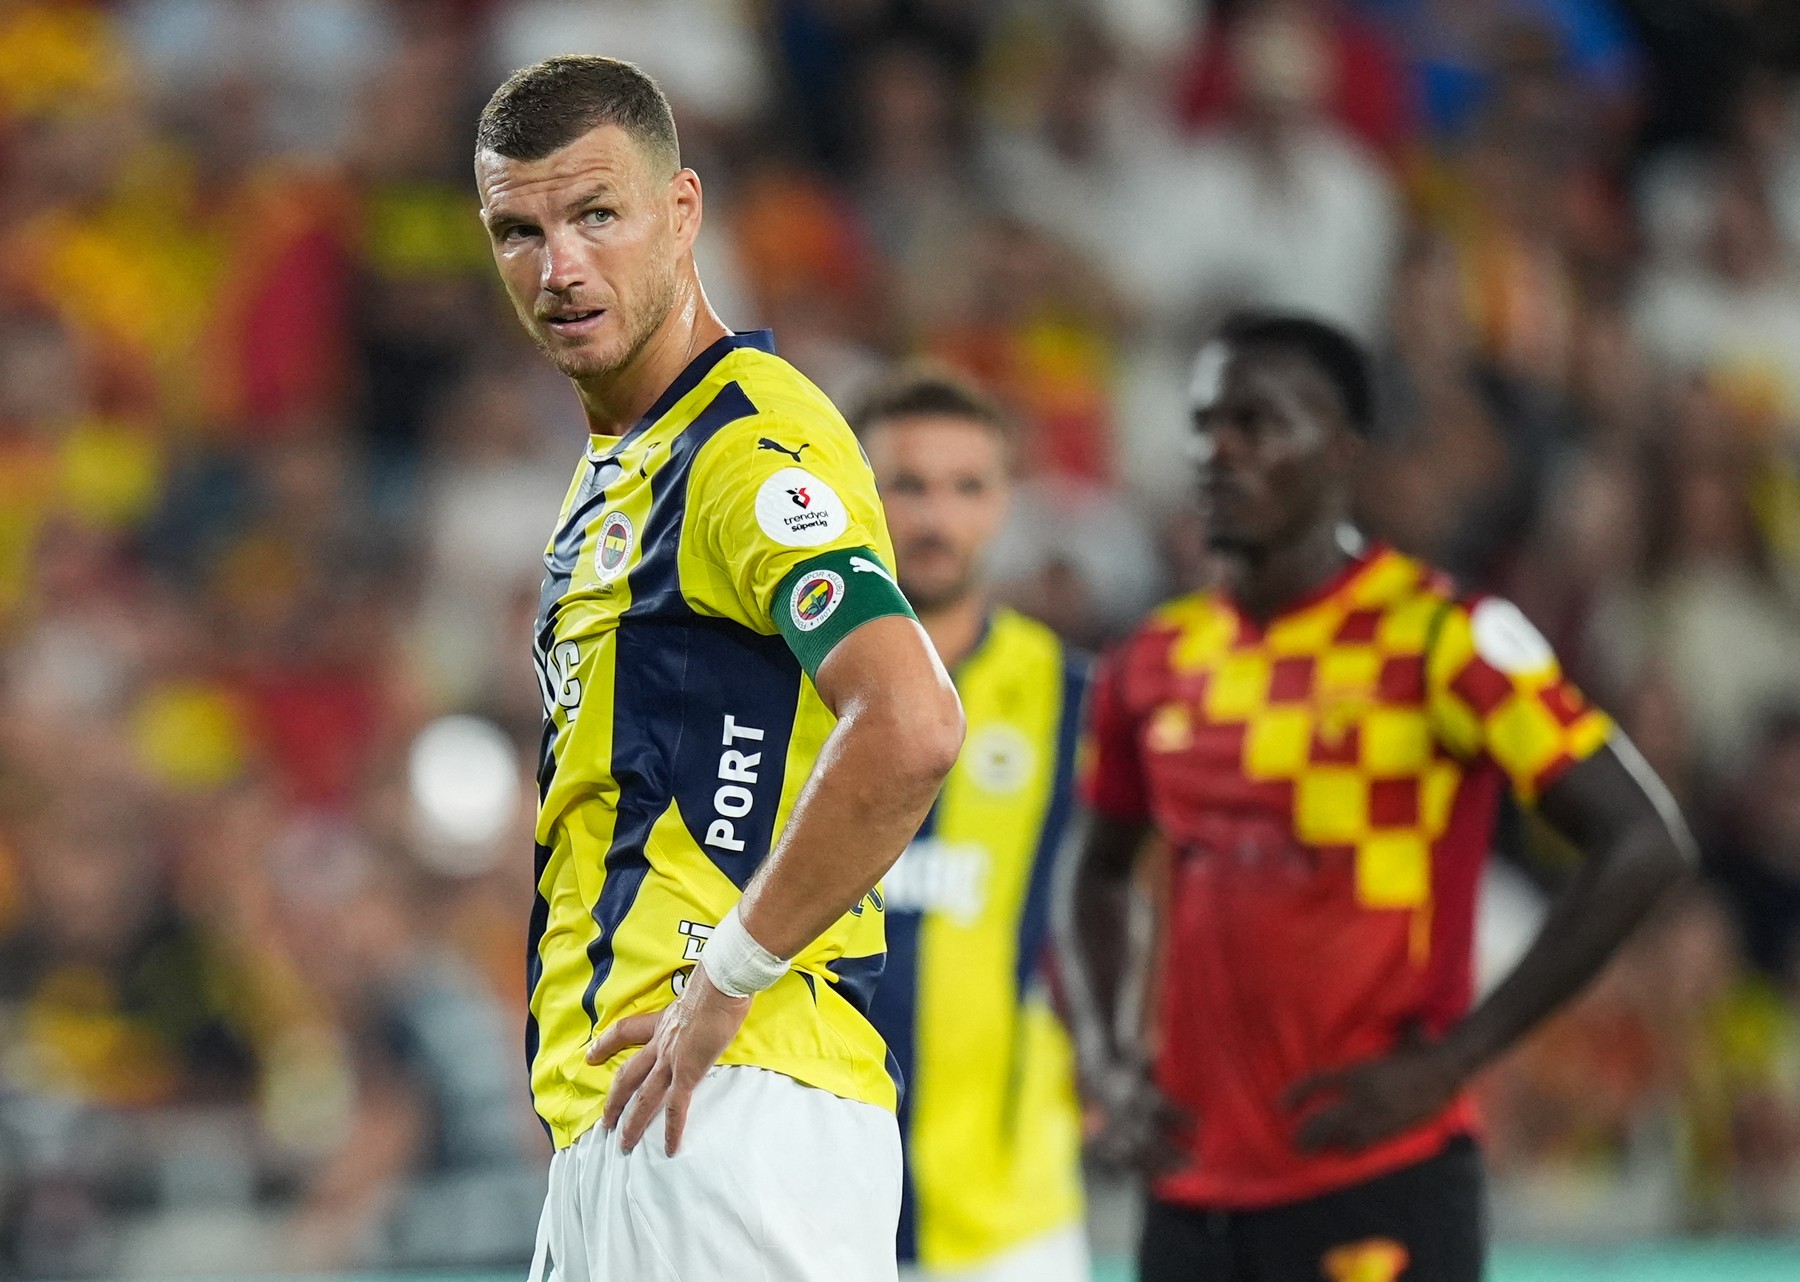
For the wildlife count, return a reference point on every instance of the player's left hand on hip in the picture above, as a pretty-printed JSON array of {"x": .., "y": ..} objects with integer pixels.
[
  {"x": 1371, "y": 1101},
  {"x": 680, "y": 1043}
]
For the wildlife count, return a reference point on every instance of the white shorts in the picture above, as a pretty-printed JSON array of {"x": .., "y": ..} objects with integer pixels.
[
  {"x": 774, "y": 1182},
  {"x": 1056, "y": 1257}
]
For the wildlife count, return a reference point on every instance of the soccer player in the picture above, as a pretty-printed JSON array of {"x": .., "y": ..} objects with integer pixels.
[
  {"x": 745, "y": 726},
  {"x": 1322, "y": 743},
  {"x": 991, "y": 1124}
]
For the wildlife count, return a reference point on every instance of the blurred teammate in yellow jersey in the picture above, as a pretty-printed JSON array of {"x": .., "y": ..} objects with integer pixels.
[
  {"x": 989, "y": 1120},
  {"x": 744, "y": 724}
]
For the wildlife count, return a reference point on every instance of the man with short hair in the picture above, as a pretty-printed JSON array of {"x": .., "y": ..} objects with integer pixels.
[
  {"x": 991, "y": 1124},
  {"x": 744, "y": 726},
  {"x": 1322, "y": 744}
]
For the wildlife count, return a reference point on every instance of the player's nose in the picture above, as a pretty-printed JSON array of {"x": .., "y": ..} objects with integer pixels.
[{"x": 563, "y": 269}]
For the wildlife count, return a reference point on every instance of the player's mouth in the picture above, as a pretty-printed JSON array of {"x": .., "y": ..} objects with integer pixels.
[
  {"x": 575, "y": 321},
  {"x": 1218, "y": 491}
]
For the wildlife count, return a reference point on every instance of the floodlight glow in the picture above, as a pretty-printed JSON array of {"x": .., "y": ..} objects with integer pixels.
[{"x": 464, "y": 773}]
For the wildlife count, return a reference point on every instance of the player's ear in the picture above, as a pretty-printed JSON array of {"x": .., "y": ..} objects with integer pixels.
[{"x": 685, "y": 202}]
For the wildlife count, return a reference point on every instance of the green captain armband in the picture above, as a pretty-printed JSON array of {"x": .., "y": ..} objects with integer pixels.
[{"x": 824, "y": 600}]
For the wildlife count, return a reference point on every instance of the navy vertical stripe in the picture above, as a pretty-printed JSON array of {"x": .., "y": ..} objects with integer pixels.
[
  {"x": 1034, "y": 919},
  {"x": 534, "y": 964},
  {"x": 894, "y": 1010},
  {"x": 756, "y": 679},
  {"x": 559, "y": 571},
  {"x": 652, "y": 668}
]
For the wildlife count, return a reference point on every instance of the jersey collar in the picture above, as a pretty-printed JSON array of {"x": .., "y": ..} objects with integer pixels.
[
  {"x": 1359, "y": 563},
  {"x": 763, "y": 340}
]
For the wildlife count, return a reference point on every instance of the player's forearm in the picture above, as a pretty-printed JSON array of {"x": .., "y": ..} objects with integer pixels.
[
  {"x": 875, "y": 781},
  {"x": 1610, "y": 895},
  {"x": 1093, "y": 934}
]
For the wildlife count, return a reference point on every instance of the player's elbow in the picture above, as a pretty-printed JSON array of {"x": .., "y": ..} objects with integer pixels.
[
  {"x": 923, "y": 736},
  {"x": 1666, "y": 854},
  {"x": 1647, "y": 858},
  {"x": 938, "y": 736}
]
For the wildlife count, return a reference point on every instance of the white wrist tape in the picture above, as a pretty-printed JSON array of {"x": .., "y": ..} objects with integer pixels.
[{"x": 736, "y": 963}]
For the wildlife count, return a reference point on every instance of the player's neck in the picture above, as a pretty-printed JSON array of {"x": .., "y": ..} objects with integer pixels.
[
  {"x": 615, "y": 401},
  {"x": 955, "y": 629},
  {"x": 1265, "y": 582}
]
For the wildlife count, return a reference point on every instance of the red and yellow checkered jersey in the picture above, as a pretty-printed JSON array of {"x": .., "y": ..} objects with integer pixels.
[{"x": 1328, "y": 787}]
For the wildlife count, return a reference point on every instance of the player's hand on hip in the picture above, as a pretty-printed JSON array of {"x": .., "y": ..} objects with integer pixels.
[
  {"x": 1348, "y": 1109},
  {"x": 1141, "y": 1130},
  {"x": 680, "y": 1043}
]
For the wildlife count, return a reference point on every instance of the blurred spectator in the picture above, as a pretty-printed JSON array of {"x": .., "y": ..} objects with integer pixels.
[
  {"x": 1732, "y": 313},
  {"x": 309, "y": 56},
  {"x": 1282, "y": 208},
  {"x": 703, "y": 51},
  {"x": 428, "y": 1164},
  {"x": 1448, "y": 51},
  {"x": 1710, "y": 593},
  {"x": 1357, "y": 76},
  {"x": 424, "y": 298},
  {"x": 494, "y": 471},
  {"x": 1757, "y": 858},
  {"x": 1035, "y": 325},
  {"x": 823, "y": 47},
  {"x": 811, "y": 270},
  {"x": 913, "y": 177}
]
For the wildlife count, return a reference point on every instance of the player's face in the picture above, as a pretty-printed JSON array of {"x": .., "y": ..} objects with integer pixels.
[
  {"x": 945, "y": 486},
  {"x": 589, "y": 242},
  {"x": 1265, "y": 423}
]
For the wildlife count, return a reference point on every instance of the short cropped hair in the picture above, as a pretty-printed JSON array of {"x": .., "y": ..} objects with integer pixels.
[
  {"x": 1336, "y": 355},
  {"x": 543, "y": 108},
  {"x": 924, "y": 389}
]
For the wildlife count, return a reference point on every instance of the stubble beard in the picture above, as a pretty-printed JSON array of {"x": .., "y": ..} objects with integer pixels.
[
  {"x": 641, "y": 326},
  {"x": 940, "y": 596}
]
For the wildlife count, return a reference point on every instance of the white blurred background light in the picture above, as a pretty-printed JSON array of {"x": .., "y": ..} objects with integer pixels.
[{"x": 466, "y": 789}]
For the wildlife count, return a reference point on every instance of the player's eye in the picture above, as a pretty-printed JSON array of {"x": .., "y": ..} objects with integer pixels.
[
  {"x": 597, "y": 217},
  {"x": 971, "y": 486},
  {"x": 515, "y": 233},
  {"x": 906, "y": 483}
]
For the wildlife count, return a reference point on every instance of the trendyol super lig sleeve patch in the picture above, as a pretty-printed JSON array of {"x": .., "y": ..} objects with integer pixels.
[
  {"x": 798, "y": 509},
  {"x": 825, "y": 599}
]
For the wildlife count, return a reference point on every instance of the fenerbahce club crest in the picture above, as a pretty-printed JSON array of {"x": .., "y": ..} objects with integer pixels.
[
  {"x": 815, "y": 599},
  {"x": 612, "y": 552}
]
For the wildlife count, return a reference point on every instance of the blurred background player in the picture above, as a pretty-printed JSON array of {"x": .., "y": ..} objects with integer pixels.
[
  {"x": 721, "y": 549},
  {"x": 1323, "y": 742},
  {"x": 990, "y": 1120}
]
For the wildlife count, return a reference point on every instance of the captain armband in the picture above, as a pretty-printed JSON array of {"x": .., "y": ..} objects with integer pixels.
[{"x": 825, "y": 599}]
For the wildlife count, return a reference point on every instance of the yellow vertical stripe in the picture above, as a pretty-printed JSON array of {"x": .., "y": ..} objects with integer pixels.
[{"x": 995, "y": 1129}]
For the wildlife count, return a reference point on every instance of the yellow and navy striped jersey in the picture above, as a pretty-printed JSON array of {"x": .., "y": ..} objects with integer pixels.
[
  {"x": 680, "y": 726},
  {"x": 990, "y": 1120}
]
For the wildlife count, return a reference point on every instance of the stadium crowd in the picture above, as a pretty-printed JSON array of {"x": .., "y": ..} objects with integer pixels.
[{"x": 276, "y": 470}]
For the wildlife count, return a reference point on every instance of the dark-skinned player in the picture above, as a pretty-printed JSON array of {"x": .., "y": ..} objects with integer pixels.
[{"x": 1323, "y": 743}]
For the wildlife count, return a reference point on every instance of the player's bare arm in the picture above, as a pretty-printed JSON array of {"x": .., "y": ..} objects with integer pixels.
[
  {"x": 1618, "y": 813},
  {"x": 1093, "y": 926},
  {"x": 898, "y": 732}
]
